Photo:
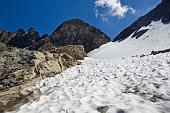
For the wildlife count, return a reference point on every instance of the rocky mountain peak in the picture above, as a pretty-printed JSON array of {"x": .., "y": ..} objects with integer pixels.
[
  {"x": 78, "y": 32},
  {"x": 33, "y": 34},
  {"x": 73, "y": 22},
  {"x": 24, "y": 39},
  {"x": 21, "y": 32},
  {"x": 32, "y": 29}
]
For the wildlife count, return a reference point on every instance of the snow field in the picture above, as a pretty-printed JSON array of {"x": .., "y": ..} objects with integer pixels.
[{"x": 133, "y": 85}]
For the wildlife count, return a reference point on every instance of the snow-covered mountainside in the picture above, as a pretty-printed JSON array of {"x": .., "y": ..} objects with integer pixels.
[
  {"x": 130, "y": 85},
  {"x": 150, "y": 32},
  {"x": 156, "y": 37}
]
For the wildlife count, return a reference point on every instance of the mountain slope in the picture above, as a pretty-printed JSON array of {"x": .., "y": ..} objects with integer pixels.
[
  {"x": 149, "y": 33},
  {"x": 131, "y": 85},
  {"x": 157, "y": 37}
]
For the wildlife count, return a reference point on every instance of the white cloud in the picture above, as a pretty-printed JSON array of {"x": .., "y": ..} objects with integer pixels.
[{"x": 111, "y": 8}]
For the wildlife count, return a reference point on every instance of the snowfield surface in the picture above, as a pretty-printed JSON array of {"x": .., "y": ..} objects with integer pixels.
[
  {"x": 130, "y": 85},
  {"x": 156, "y": 38}
]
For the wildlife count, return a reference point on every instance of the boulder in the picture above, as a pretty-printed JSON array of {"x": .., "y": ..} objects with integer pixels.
[{"x": 103, "y": 109}]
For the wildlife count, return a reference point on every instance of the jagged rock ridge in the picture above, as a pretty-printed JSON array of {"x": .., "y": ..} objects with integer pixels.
[
  {"x": 23, "y": 39},
  {"x": 72, "y": 32}
]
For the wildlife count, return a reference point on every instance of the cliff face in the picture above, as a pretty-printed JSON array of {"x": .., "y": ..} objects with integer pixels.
[{"x": 161, "y": 12}]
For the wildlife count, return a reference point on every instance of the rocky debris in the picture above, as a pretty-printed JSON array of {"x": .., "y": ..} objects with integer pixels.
[
  {"x": 76, "y": 51},
  {"x": 103, "y": 109},
  {"x": 161, "y": 12},
  {"x": 153, "y": 53},
  {"x": 120, "y": 111},
  {"x": 20, "y": 68},
  {"x": 161, "y": 51},
  {"x": 77, "y": 32},
  {"x": 137, "y": 34},
  {"x": 24, "y": 39}
]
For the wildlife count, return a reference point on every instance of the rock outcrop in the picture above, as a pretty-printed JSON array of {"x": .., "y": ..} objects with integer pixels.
[
  {"x": 160, "y": 51},
  {"x": 19, "y": 65},
  {"x": 161, "y": 12},
  {"x": 76, "y": 51},
  {"x": 42, "y": 45},
  {"x": 20, "y": 68}
]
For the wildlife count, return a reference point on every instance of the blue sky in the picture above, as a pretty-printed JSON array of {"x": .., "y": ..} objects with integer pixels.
[{"x": 46, "y": 15}]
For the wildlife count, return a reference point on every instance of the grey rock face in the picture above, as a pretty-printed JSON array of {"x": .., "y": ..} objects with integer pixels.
[{"x": 161, "y": 12}]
